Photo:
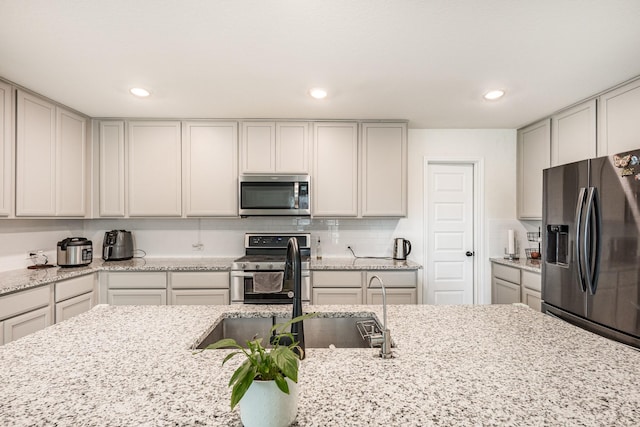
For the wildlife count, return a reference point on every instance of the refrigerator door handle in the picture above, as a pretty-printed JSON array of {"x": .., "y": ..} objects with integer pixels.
[
  {"x": 579, "y": 233},
  {"x": 592, "y": 240}
]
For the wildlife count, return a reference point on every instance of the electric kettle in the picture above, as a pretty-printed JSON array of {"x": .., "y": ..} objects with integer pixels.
[{"x": 401, "y": 248}]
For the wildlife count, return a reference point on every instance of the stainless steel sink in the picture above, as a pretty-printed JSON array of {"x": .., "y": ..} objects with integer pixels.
[{"x": 319, "y": 332}]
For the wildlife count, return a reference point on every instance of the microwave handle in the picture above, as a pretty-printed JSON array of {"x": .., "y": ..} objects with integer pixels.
[{"x": 296, "y": 195}]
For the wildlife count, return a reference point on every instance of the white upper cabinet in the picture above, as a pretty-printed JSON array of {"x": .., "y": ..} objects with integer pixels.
[
  {"x": 154, "y": 180},
  {"x": 275, "y": 147},
  {"x": 534, "y": 146},
  {"x": 619, "y": 120},
  {"x": 112, "y": 170},
  {"x": 384, "y": 169},
  {"x": 35, "y": 156},
  {"x": 335, "y": 178},
  {"x": 210, "y": 171},
  {"x": 71, "y": 160},
  {"x": 6, "y": 148},
  {"x": 50, "y": 159},
  {"x": 574, "y": 134}
]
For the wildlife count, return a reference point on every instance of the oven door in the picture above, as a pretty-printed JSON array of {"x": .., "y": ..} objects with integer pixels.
[{"x": 242, "y": 286}]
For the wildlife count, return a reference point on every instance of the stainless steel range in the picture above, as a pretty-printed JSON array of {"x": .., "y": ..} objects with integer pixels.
[{"x": 258, "y": 277}]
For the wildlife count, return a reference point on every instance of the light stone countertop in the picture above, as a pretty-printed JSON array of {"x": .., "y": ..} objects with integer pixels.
[
  {"x": 522, "y": 263},
  {"x": 19, "y": 280},
  {"x": 455, "y": 366}
]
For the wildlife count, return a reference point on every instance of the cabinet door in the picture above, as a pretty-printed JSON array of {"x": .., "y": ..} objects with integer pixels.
[
  {"x": 394, "y": 296},
  {"x": 155, "y": 169},
  {"x": 137, "y": 297},
  {"x": 292, "y": 147},
  {"x": 35, "y": 156},
  {"x": 505, "y": 292},
  {"x": 384, "y": 169},
  {"x": 25, "y": 324},
  {"x": 574, "y": 134},
  {"x": 200, "y": 297},
  {"x": 73, "y": 306},
  {"x": 337, "y": 296},
  {"x": 6, "y": 148},
  {"x": 258, "y": 147},
  {"x": 112, "y": 172},
  {"x": 210, "y": 172},
  {"x": 71, "y": 160},
  {"x": 618, "y": 122},
  {"x": 534, "y": 155},
  {"x": 531, "y": 298},
  {"x": 335, "y": 187}
]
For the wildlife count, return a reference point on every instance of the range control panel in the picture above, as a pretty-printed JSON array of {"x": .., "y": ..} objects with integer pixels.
[{"x": 275, "y": 241}]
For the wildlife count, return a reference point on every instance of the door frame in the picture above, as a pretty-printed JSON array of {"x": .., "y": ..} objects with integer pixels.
[{"x": 478, "y": 221}]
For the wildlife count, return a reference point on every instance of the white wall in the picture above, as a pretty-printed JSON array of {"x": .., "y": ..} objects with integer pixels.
[{"x": 497, "y": 149}]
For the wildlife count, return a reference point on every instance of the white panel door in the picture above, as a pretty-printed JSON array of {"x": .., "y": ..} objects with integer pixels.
[
  {"x": 292, "y": 147},
  {"x": 210, "y": 168},
  {"x": 573, "y": 134},
  {"x": 258, "y": 147},
  {"x": 450, "y": 272},
  {"x": 6, "y": 148}
]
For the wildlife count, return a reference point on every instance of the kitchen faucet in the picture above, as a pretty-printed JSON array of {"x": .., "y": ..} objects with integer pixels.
[
  {"x": 385, "y": 350},
  {"x": 293, "y": 266}
]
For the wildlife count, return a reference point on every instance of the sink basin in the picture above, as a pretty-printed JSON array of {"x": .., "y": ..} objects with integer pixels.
[{"x": 319, "y": 332}]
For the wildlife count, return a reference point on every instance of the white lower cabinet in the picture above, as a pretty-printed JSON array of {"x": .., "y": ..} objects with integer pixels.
[
  {"x": 136, "y": 288},
  {"x": 23, "y": 313},
  {"x": 351, "y": 287},
  {"x": 199, "y": 288},
  {"x": 74, "y": 296},
  {"x": 511, "y": 285}
]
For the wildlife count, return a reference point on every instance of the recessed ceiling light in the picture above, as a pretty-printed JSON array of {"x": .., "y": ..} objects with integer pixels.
[
  {"x": 318, "y": 93},
  {"x": 492, "y": 95},
  {"x": 139, "y": 92}
]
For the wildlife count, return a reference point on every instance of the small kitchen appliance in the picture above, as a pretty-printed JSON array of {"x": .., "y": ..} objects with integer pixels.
[
  {"x": 258, "y": 277},
  {"x": 117, "y": 245},
  {"x": 401, "y": 248},
  {"x": 274, "y": 195},
  {"x": 74, "y": 252}
]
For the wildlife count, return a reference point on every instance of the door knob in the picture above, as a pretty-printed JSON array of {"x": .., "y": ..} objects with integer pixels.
[{"x": 469, "y": 253}]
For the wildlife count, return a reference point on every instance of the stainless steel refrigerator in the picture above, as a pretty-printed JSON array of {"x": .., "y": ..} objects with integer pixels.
[{"x": 591, "y": 223}]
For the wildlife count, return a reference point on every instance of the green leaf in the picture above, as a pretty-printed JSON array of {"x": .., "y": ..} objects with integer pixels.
[
  {"x": 241, "y": 387},
  {"x": 226, "y": 342},
  {"x": 229, "y": 356},
  {"x": 243, "y": 370},
  {"x": 287, "y": 361},
  {"x": 281, "y": 382}
]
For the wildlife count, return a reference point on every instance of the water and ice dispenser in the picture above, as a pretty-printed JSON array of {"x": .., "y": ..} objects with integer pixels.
[{"x": 557, "y": 244}]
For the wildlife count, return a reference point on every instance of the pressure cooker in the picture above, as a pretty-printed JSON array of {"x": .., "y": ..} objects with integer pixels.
[{"x": 75, "y": 252}]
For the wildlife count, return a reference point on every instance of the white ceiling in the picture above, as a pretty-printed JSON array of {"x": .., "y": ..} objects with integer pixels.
[{"x": 428, "y": 61}]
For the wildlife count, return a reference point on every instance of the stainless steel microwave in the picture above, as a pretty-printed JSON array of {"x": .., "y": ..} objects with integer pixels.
[{"x": 274, "y": 195}]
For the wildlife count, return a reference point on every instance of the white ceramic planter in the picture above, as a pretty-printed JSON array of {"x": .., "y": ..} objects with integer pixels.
[{"x": 264, "y": 405}]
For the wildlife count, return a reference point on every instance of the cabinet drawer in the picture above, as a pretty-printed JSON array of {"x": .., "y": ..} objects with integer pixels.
[
  {"x": 199, "y": 279},
  {"x": 337, "y": 279},
  {"x": 137, "y": 297},
  {"x": 393, "y": 279},
  {"x": 531, "y": 280},
  {"x": 394, "y": 296},
  {"x": 73, "y": 306},
  {"x": 328, "y": 296},
  {"x": 66, "y": 289},
  {"x": 510, "y": 274},
  {"x": 200, "y": 297},
  {"x": 137, "y": 280},
  {"x": 24, "y": 301}
]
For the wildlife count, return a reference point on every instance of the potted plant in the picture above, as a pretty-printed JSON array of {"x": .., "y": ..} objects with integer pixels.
[{"x": 265, "y": 384}]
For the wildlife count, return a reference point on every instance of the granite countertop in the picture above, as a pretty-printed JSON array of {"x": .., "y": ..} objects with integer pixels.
[
  {"x": 19, "y": 280},
  {"x": 455, "y": 365},
  {"x": 522, "y": 263}
]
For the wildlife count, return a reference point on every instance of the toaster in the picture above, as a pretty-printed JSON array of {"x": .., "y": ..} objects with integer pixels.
[{"x": 117, "y": 245}]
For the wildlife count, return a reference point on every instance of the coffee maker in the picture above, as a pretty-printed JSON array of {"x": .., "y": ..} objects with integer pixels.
[{"x": 117, "y": 245}]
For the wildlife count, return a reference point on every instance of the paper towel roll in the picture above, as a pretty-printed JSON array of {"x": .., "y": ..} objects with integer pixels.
[{"x": 511, "y": 242}]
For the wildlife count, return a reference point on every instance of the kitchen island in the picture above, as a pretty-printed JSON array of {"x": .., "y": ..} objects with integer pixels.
[{"x": 455, "y": 365}]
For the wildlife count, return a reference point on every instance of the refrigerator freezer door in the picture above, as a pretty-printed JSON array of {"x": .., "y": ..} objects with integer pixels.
[
  {"x": 562, "y": 187},
  {"x": 616, "y": 302}
]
